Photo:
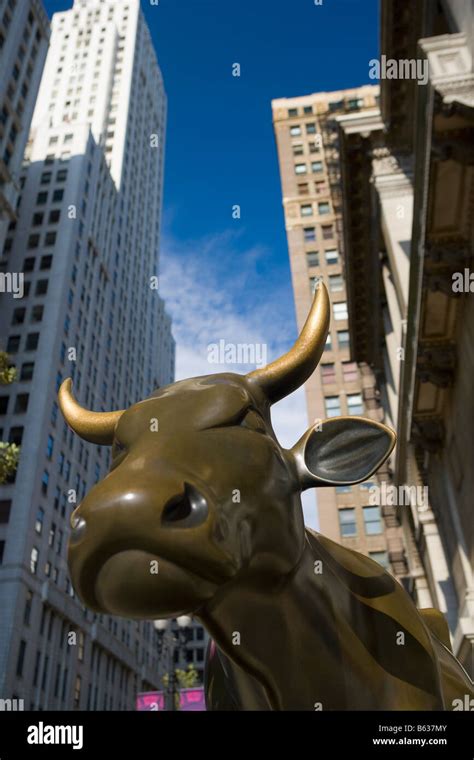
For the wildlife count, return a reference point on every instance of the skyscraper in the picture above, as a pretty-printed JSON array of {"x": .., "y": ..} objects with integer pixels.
[
  {"x": 86, "y": 240},
  {"x": 307, "y": 141},
  {"x": 24, "y": 35}
]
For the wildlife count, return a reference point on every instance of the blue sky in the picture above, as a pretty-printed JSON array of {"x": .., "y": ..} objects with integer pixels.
[{"x": 224, "y": 278}]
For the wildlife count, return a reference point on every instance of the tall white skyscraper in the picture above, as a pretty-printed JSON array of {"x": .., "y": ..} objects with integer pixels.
[{"x": 86, "y": 240}]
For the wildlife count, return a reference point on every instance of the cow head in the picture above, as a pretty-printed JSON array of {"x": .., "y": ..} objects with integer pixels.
[{"x": 200, "y": 493}]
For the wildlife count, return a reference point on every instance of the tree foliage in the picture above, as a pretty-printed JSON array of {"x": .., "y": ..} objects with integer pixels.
[{"x": 9, "y": 452}]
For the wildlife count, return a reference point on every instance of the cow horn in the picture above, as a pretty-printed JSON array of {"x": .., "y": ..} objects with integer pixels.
[
  {"x": 96, "y": 427},
  {"x": 284, "y": 375}
]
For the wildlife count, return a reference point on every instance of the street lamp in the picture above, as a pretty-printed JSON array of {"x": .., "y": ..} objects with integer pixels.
[{"x": 168, "y": 640}]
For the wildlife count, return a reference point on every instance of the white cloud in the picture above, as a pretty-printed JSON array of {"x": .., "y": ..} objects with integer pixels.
[{"x": 215, "y": 292}]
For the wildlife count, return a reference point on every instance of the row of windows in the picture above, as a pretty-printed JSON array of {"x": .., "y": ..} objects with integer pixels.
[
  {"x": 307, "y": 209},
  {"x": 314, "y": 146},
  {"x": 296, "y": 130},
  {"x": 349, "y": 372},
  {"x": 372, "y": 521},
  {"x": 335, "y": 281},
  {"x": 316, "y": 167},
  {"x": 351, "y": 104},
  {"x": 342, "y": 340},
  {"x": 310, "y": 234},
  {"x": 355, "y": 404},
  {"x": 331, "y": 257}
]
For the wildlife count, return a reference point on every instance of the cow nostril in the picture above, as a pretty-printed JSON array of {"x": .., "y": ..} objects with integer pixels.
[
  {"x": 78, "y": 529},
  {"x": 187, "y": 509}
]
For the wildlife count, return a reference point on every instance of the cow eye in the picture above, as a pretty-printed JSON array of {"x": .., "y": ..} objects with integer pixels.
[{"x": 253, "y": 421}]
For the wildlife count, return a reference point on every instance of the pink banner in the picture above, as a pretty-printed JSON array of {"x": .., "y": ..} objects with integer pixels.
[{"x": 189, "y": 700}]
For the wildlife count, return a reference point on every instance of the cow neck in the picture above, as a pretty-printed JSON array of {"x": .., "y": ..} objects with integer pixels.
[{"x": 284, "y": 637}]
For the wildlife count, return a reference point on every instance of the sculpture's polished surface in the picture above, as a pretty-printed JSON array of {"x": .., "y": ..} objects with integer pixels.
[{"x": 201, "y": 514}]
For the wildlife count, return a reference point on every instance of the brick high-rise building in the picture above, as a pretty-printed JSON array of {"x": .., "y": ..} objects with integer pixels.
[
  {"x": 86, "y": 240},
  {"x": 307, "y": 141}
]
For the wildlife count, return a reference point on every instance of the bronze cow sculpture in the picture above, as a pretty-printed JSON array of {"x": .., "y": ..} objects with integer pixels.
[{"x": 213, "y": 501}]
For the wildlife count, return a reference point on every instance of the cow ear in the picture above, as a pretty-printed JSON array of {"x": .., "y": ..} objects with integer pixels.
[{"x": 342, "y": 451}]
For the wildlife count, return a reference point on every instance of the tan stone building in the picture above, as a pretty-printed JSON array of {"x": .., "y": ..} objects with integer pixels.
[
  {"x": 408, "y": 194},
  {"x": 307, "y": 140}
]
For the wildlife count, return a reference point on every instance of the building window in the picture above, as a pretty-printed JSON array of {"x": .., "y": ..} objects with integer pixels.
[
  {"x": 312, "y": 258},
  {"x": 46, "y": 262},
  {"x": 29, "y": 264},
  {"x": 313, "y": 282},
  {"x": 328, "y": 344},
  {"x": 354, "y": 403},
  {"x": 34, "y": 560},
  {"x": 46, "y": 178},
  {"x": 295, "y": 131},
  {"x": 367, "y": 486},
  {"x": 316, "y": 166},
  {"x": 42, "y": 198},
  {"x": 372, "y": 521},
  {"x": 343, "y": 489},
  {"x": 300, "y": 169},
  {"x": 18, "y": 316},
  {"x": 347, "y": 522},
  {"x": 328, "y": 231},
  {"x": 5, "y": 507},
  {"x": 332, "y": 256},
  {"x": 336, "y": 283},
  {"x": 306, "y": 210},
  {"x": 44, "y": 482},
  {"x": 381, "y": 558},
  {"x": 303, "y": 188},
  {"x": 309, "y": 234},
  {"x": 328, "y": 373},
  {"x": 77, "y": 691},
  {"x": 349, "y": 372},
  {"x": 50, "y": 238},
  {"x": 39, "y": 522},
  {"x": 21, "y": 403},
  {"x": 343, "y": 338},
  {"x": 41, "y": 287},
  {"x": 50, "y": 447},
  {"x": 54, "y": 216},
  {"x": 13, "y": 344},
  {"x": 323, "y": 208},
  {"x": 340, "y": 311},
  {"x": 21, "y": 658},
  {"x": 33, "y": 241},
  {"x": 298, "y": 149},
  {"x": 332, "y": 405},
  {"x": 58, "y": 195},
  {"x": 311, "y": 129},
  {"x": 28, "y": 606},
  {"x": 292, "y": 112},
  {"x": 308, "y": 109},
  {"x": 4, "y": 404},
  {"x": 27, "y": 371}
]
